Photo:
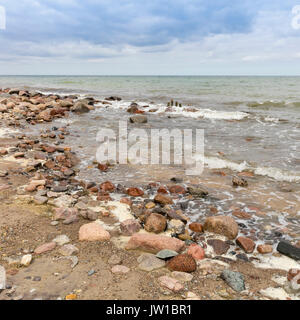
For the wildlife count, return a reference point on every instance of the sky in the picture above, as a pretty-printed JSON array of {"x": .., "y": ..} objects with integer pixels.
[{"x": 150, "y": 37}]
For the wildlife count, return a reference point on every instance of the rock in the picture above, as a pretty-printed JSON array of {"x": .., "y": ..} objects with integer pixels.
[
  {"x": 154, "y": 243},
  {"x": 26, "y": 260},
  {"x": 150, "y": 205},
  {"x": 196, "y": 251},
  {"x": 239, "y": 182},
  {"x": 246, "y": 244},
  {"x": 135, "y": 192},
  {"x": 170, "y": 283},
  {"x": 107, "y": 187},
  {"x": 114, "y": 260},
  {"x": 80, "y": 107},
  {"x": 61, "y": 240},
  {"x": 45, "y": 248},
  {"x": 65, "y": 214},
  {"x": 223, "y": 225},
  {"x": 3, "y": 173},
  {"x": 182, "y": 276},
  {"x": 196, "y": 227},
  {"x": 45, "y": 116},
  {"x": 286, "y": 248},
  {"x": 176, "y": 226},
  {"x": 133, "y": 108},
  {"x": 234, "y": 279},
  {"x": 68, "y": 250},
  {"x": 120, "y": 269},
  {"x": 40, "y": 200},
  {"x": 2, "y": 278},
  {"x": 130, "y": 227},
  {"x": 166, "y": 254},
  {"x": 93, "y": 232},
  {"x": 220, "y": 247},
  {"x": 182, "y": 263},
  {"x": 198, "y": 192},
  {"x": 241, "y": 214},
  {"x": 163, "y": 199},
  {"x": 156, "y": 223},
  {"x": 54, "y": 223},
  {"x": 149, "y": 262},
  {"x": 177, "y": 189},
  {"x": 293, "y": 278},
  {"x": 138, "y": 119},
  {"x": 265, "y": 248},
  {"x": 102, "y": 167}
]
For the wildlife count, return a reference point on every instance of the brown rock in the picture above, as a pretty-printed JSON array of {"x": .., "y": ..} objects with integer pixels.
[
  {"x": 223, "y": 225},
  {"x": 102, "y": 167},
  {"x": 246, "y": 244},
  {"x": 107, "y": 186},
  {"x": 182, "y": 263},
  {"x": 239, "y": 182},
  {"x": 177, "y": 189},
  {"x": 135, "y": 192},
  {"x": 162, "y": 199},
  {"x": 130, "y": 227},
  {"x": 45, "y": 248},
  {"x": 220, "y": 247},
  {"x": 241, "y": 214},
  {"x": 264, "y": 248},
  {"x": 292, "y": 274},
  {"x": 162, "y": 189},
  {"x": 126, "y": 201},
  {"x": 154, "y": 243},
  {"x": 196, "y": 227},
  {"x": 93, "y": 232},
  {"x": 156, "y": 223},
  {"x": 3, "y": 152}
]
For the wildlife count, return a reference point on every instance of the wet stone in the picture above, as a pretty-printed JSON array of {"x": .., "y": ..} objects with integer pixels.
[{"x": 166, "y": 254}]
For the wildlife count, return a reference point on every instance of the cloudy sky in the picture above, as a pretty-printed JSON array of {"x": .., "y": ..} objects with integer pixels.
[{"x": 137, "y": 37}]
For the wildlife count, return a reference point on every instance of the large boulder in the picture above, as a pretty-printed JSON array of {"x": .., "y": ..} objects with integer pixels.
[
  {"x": 223, "y": 225},
  {"x": 154, "y": 243}
]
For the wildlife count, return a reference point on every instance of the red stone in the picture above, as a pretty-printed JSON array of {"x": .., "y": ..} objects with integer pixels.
[
  {"x": 177, "y": 189},
  {"x": 162, "y": 189},
  {"x": 107, "y": 186},
  {"x": 196, "y": 251},
  {"x": 102, "y": 167},
  {"x": 246, "y": 244},
  {"x": 126, "y": 201},
  {"x": 264, "y": 248},
  {"x": 196, "y": 227},
  {"x": 135, "y": 192}
]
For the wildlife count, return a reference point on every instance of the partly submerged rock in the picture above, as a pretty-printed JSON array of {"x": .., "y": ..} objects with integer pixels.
[
  {"x": 286, "y": 248},
  {"x": 223, "y": 225}
]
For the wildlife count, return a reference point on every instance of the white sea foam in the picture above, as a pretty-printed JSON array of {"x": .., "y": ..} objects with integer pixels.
[{"x": 275, "y": 173}]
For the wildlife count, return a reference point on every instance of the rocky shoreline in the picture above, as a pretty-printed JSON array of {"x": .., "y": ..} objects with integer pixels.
[{"x": 145, "y": 223}]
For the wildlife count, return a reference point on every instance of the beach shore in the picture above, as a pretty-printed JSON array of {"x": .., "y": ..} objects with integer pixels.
[{"x": 67, "y": 237}]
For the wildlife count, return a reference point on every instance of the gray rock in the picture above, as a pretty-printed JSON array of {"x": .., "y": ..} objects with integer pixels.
[
  {"x": 286, "y": 248},
  {"x": 234, "y": 279},
  {"x": 80, "y": 107},
  {"x": 166, "y": 254},
  {"x": 138, "y": 119},
  {"x": 2, "y": 278},
  {"x": 40, "y": 199},
  {"x": 148, "y": 262},
  {"x": 197, "y": 192},
  {"x": 61, "y": 240},
  {"x": 68, "y": 250}
]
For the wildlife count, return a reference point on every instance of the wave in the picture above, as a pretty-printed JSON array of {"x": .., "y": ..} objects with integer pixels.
[
  {"x": 272, "y": 103},
  {"x": 186, "y": 111},
  {"x": 275, "y": 173}
]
